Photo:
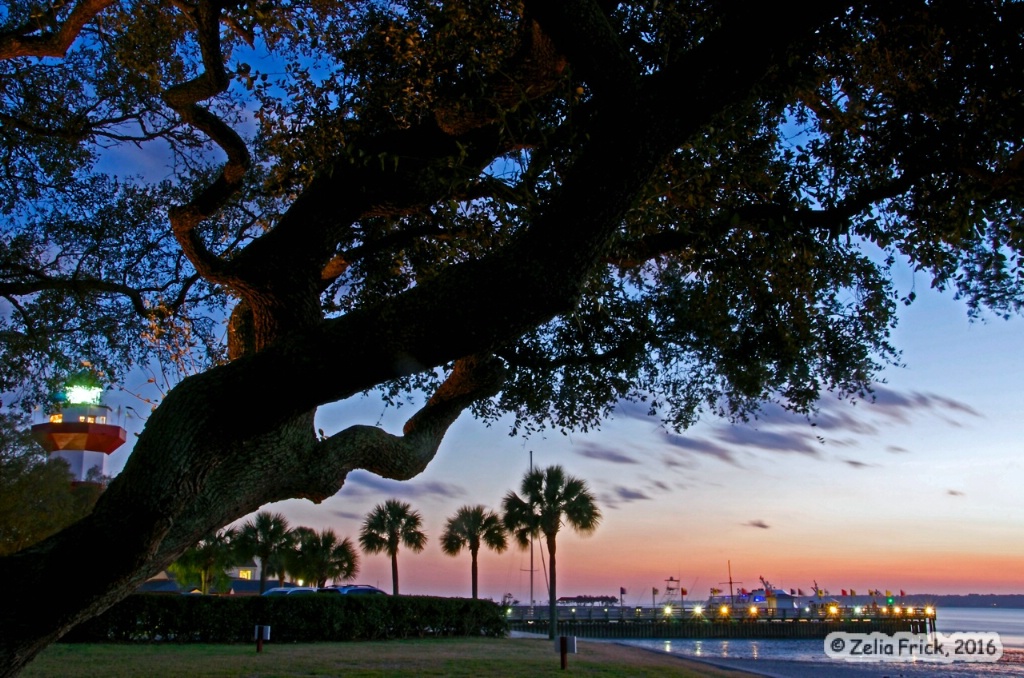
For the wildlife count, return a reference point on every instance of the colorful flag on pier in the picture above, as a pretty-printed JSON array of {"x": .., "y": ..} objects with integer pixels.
[
  {"x": 683, "y": 592},
  {"x": 888, "y": 593},
  {"x": 622, "y": 590},
  {"x": 852, "y": 592},
  {"x": 792, "y": 592},
  {"x": 800, "y": 592},
  {"x": 843, "y": 592},
  {"x": 902, "y": 593}
]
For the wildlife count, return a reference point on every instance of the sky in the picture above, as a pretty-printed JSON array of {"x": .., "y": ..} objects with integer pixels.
[{"x": 918, "y": 490}]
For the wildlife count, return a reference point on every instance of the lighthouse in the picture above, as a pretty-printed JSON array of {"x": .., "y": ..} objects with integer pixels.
[{"x": 81, "y": 432}]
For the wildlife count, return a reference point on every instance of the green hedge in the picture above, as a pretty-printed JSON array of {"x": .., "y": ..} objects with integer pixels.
[{"x": 148, "y": 618}]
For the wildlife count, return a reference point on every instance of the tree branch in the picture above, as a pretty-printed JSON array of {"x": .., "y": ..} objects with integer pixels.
[
  {"x": 398, "y": 171},
  {"x": 580, "y": 30},
  {"x": 400, "y": 457},
  {"x": 182, "y": 98},
  {"x": 33, "y": 40},
  {"x": 77, "y": 286}
]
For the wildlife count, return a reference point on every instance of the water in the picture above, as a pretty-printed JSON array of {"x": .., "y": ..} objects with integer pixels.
[
  {"x": 804, "y": 658},
  {"x": 1008, "y": 623}
]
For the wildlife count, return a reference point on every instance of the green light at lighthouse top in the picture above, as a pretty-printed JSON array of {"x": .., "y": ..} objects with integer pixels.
[{"x": 83, "y": 395}]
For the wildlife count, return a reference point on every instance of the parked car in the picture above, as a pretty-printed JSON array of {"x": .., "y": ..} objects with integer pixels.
[
  {"x": 289, "y": 590},
  {"x": 354, "y": 590}
]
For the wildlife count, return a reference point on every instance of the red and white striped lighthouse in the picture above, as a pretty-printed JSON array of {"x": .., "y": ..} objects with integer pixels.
[{"x": 81, "y": 432}]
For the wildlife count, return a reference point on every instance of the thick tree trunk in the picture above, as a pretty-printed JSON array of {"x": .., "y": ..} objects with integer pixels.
[
  {"x": 394, "y": 573},
  {"x": 204, "y": 460}
]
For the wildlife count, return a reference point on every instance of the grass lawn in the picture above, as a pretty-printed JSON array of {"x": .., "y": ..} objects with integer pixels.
[{"x": 470, "y": 657}]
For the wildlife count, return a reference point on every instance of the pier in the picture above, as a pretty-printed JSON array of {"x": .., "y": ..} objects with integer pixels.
[{"x": 695, "y": 622}]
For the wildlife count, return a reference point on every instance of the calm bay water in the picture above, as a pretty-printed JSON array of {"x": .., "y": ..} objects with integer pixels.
[
  {"x": 800, "y": 658},
  {"x": 1009, "y": 624}
]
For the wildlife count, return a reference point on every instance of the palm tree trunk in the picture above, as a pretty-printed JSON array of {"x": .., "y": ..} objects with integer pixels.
[
  {"x": 394, "y": 572},
  {"x": 473, "y": 571},
  {"x": 552, "y": 609}
]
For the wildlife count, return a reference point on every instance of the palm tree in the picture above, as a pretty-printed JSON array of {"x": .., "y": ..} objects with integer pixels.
[
  {"x": 548, "y": 497},
  {"x": 266, "y": 536},
  {"x": 388, "y": 526},
  {"x": 321, "y": 556},
  {"x": 206, "y": 562},
  {"x": 291, "y": 561},
  {"x": 471, "y": 527}
]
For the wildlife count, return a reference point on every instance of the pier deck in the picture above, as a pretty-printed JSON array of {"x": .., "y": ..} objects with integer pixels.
[{"x": 674, "y": 622}]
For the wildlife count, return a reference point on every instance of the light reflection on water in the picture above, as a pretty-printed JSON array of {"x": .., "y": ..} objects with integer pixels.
[{"x": 810, "y": 654}]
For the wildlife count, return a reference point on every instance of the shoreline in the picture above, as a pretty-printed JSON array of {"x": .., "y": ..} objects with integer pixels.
[{"x": 1012, "y": 664}]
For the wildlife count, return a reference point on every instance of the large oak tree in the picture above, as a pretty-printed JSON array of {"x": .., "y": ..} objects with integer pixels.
[{"x": 528, "y": 207}]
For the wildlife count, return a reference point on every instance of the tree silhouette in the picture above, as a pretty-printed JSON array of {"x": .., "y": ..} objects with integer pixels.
[
  {"x": 499, "y": 206},
  {"x": 37, "y": 495},
  {"x": 266, "y": 536},
  {"x": 472, "y": 527},
  {"x": 320, "y": 557},
  {"x": 205, "y": 564},
  {"x": 389, "y": 526},
  {"x": 547, "y": 498}
]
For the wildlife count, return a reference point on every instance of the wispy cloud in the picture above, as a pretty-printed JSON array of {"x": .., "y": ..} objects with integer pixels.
[
  {"x": 760, "y": 524},
  {"x": 359, "y": 484},
  {"x": 832, "y": 415},
  {"x": 619, "y": 494},
  {"x": 837, "y": 424},
  {"x": 896, "y": 404},
  {"x": 632, "y": 410},
  {"x": 629, "y": 494},
  {"x": 677, "y": 462},
  {"x": 593, "y": 451},
  {"x": 701, "y": 446},
  {"x": 794, "y": 441},
  {"x": 955, "y": 493},
  {"x": 856, "y": 464}
]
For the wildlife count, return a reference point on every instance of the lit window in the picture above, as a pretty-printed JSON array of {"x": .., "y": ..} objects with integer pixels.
[
  {"x": 90, "y": 420},
  {"x": 81, "y": 418},
  {"x": 56, "y": 418},
  {"x": 245, "y": 574},
  {"x": 101, "y": 420}
]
